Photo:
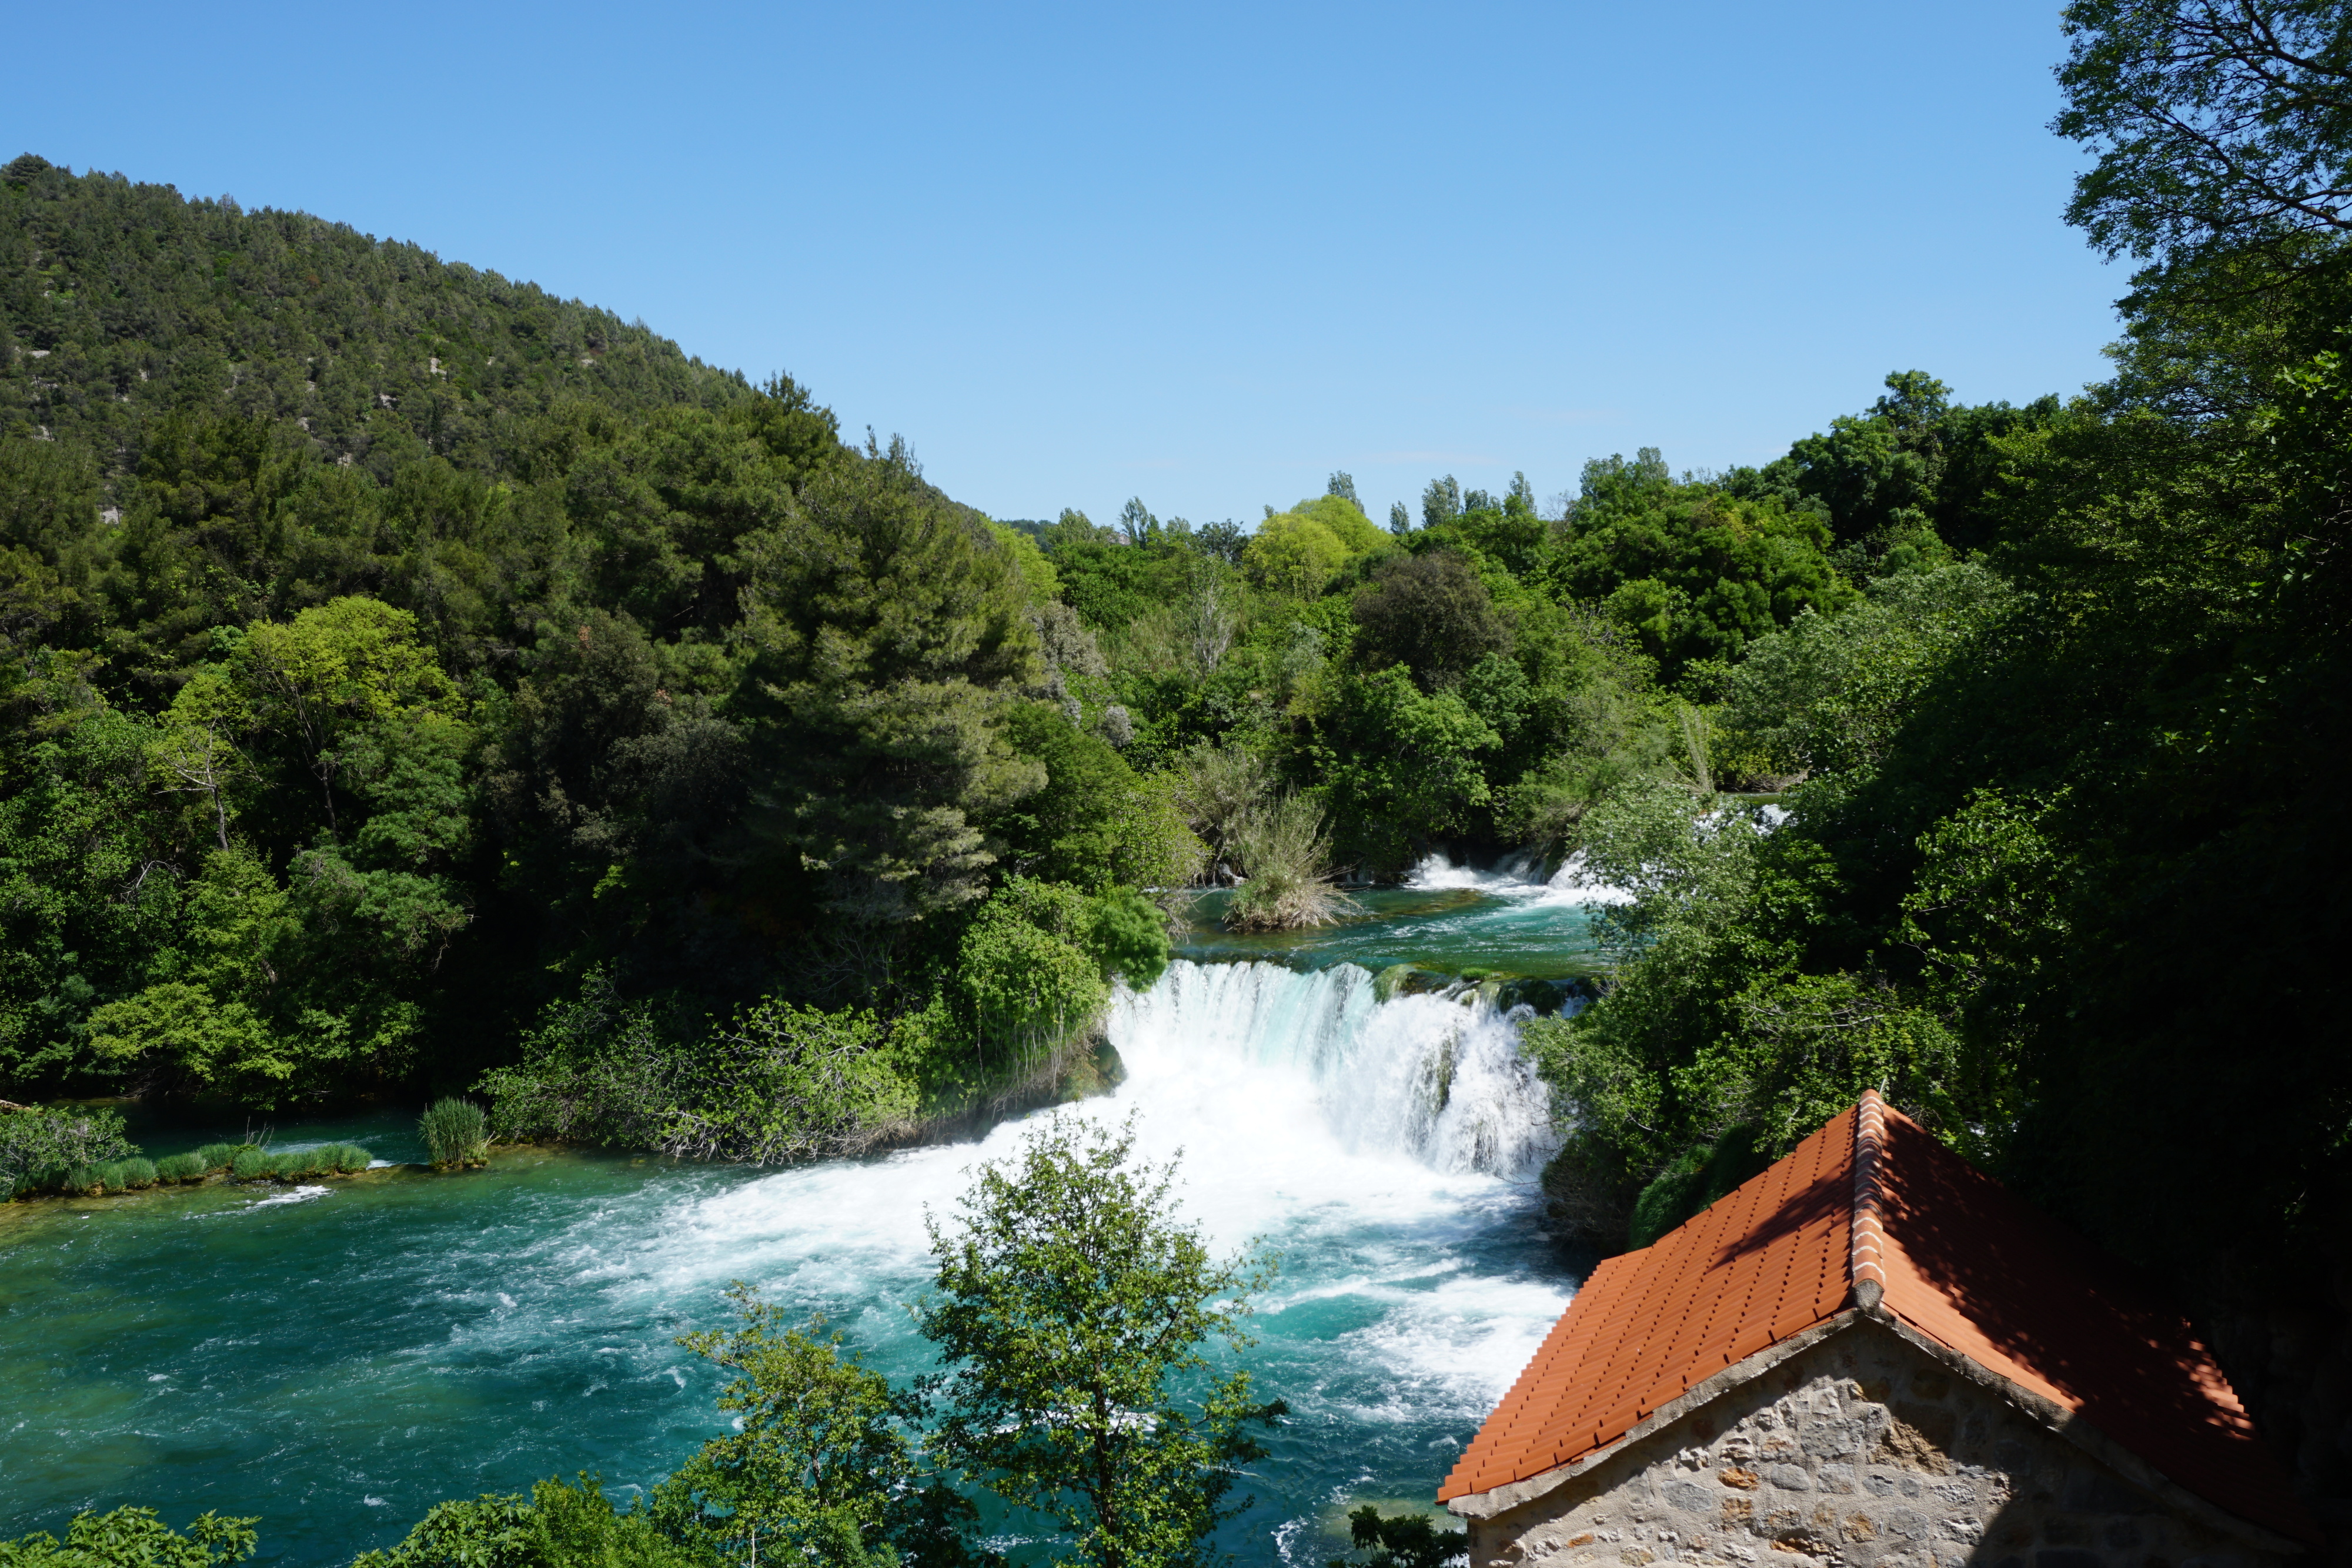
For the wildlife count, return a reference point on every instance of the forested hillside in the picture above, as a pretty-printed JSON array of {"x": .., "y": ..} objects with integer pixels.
[{"x": 394, "y": 649}]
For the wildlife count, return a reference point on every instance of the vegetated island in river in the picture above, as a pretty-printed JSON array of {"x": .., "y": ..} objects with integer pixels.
[{"x": 419, "y": 683}]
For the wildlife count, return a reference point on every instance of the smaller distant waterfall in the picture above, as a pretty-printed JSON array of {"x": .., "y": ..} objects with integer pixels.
[{"x": 1438, "y": 1079}]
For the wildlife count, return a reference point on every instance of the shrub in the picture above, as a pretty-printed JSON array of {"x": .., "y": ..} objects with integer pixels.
[
  {"x": 456, "y": 1133},
  {"x": 249, "y": 1163},
  {"x": 1129, "y": 938},
  {"x": 1289, "y": 862},
  {"x": 182, "y": 1167},
  {"x": 777, "y": 1082},
  {"x": 136, "y": 1535},
  {"x": 138, "y": 1173},
  {"x": 216, "y": 1157},
  {"x": 36, "y": 1142}
]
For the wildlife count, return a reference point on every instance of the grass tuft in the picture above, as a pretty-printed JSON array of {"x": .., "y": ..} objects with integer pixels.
[
  {"x": 79, "y": 1178},
  {"x": 138, "y": 1173},
  {"x": 182, "y": 1167},
  {"x": 249, "y": 1163},
  {"x": 456, "y": 1133},
  {"x": 350, "y": 1159},
  {"x": 1288, "y": 859},
  {"x": 216, "y": 1157}
]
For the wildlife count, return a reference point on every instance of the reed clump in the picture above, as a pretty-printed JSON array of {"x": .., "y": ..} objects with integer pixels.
[
  {"x": 457, "y": 1135},
  {"x": 216, "y": 1157},
  {"x": 138, "y": 1174},
  {"x": 250, "y": 1163},
  {"x": 1289, "y": 857},
  {"x": 347, "y": 1158},
  {"x": 185, "y": 1167}
]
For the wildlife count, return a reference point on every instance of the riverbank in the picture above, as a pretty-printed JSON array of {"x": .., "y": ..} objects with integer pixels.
[{"x": 338, "y": 1356}]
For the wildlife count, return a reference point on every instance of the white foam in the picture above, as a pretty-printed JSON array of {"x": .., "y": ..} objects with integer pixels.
[
  {"x": 1520, "y": 877},
  {"x": 300, "y": 1195},
  {"x": 1306, "y": 1114},
  {"x": 1573, "y": 883}
]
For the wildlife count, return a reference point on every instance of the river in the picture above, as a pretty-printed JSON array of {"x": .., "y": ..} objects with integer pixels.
[{"x": 336, "y": 1358}]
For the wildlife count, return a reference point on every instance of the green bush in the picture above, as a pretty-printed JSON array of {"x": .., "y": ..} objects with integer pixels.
[
  {"x": 1698, "y": 1176},
  {"x": 776, "y": 1082},
  {"x": 216, "y": 1157},
  {"x": 456, "y": 1132},
  {"x": 182, "y": 1167},
  {"x": 138, "y": 1173},
  {"x": 249, "y": 1163},
  {"x": 135, "y": 1538},
  {"x": 37, "y": 1146},
  {"x": 1129, "y": 938}
]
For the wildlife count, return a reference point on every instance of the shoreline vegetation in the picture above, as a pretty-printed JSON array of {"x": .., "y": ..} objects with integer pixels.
[{"x": 1078, "y": 1063}]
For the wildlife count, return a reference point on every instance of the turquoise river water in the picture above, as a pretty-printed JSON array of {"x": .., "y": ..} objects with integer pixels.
[{"x": 337, "y": 1357}]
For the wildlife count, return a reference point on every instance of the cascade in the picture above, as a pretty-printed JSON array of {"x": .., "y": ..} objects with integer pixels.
[
  {"x": 1433, "y": 1078},
  {"x": 340, "y": 1359}
]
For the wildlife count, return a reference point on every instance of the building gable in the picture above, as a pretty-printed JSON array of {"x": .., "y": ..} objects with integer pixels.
[{"x": 1871, "y": 1218}]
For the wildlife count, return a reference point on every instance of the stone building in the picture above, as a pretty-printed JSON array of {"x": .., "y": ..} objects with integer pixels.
[{"x": 1872, "y": 1356}]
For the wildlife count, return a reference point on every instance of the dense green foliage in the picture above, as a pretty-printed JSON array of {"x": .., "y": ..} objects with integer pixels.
[
  {"x": 1071, "y": 1308},
  {"x": 2063, "y": 878},
  {"x": 559, "y": 1525},
  {"x": 379, "y": 631},
  {"x": 823, "y": 1464},
  {"x": 1400, "y": 1541},
  {"x": 134, "y": 1538},
  {"x": 38, "y": 1145},
  {"x": 456, "y": 1134}
]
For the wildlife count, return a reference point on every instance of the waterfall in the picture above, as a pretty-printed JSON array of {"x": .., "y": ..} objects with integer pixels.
[
  {"x": 1383, "y": 1150},
  {"x": 1437, "y": 1079}
]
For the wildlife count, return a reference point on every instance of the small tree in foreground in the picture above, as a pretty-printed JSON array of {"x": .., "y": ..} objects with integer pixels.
[
  {"x": 819, "y": 1470},
  {"x": 1072, "y": 1312},
  {"x": 1401, "y": 1541}
]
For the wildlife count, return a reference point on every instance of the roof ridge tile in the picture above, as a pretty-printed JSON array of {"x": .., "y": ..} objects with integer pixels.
[{"x": 1867, "y": 1257}]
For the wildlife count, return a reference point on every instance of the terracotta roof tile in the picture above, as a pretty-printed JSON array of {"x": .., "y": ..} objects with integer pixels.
[
  {"x": 1872, "y": 1198},
  {"x": 2021, "y": 1295},
  {"x": 1645, "y": 1321}
]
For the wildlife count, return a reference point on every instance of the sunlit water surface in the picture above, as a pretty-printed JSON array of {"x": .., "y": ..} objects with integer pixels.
[{"x": 337, "y": 1357}]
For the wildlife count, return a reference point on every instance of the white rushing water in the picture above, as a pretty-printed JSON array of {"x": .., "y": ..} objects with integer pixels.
[
  {"x": 1521, "y": 878},
  {"x": 339, "y": 1360},
  {"x": 1386, "y": 1151},
  {"x": 1299, "y": 1104}
]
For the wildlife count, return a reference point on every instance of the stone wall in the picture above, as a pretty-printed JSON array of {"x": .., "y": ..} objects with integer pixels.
[{"x": 1863, "y": 1452}]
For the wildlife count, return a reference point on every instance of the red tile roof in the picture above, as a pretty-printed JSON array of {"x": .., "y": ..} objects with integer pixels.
[{"x": 1871, "y": 1198}]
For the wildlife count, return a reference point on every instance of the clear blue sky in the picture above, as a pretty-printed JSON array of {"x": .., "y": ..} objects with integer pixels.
[{"x": 1205, "y": 254}]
